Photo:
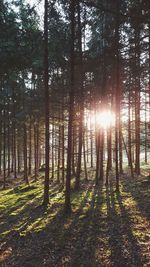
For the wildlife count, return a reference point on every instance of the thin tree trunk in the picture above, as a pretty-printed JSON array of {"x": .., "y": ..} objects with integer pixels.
[
  {"x": 81, "y": 106},
  {"x": 46, "y": 78},
  {"x": 53, "y": 134},
  {"x": 4, "y": 146},
  {"x": 71, "y": 110},
  {"x": 101, "y": 155},
  {"x": 25, "y": 155},
  {"x": 129, "y": 153},
  {"x": 35, "y": 153},
  {"x": 63, "y": 148},
  {"x": 97, "y": 157},
  {"x": 117, "y": 96},
  {"x": 108, "y": 167},
  {"x": 84, "y": 157},
  {"x": 18, "y": 154},
  {"x": 0, "y": 143},
  {"x": 30, "y": 148},
  {"x": 8, "y": 143},
  {"x": 59, "y": 152}
]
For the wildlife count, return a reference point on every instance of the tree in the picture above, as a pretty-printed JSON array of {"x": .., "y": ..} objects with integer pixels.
[
  {"x": 71, "y": 108},
  {"x": 46, "y": 87}
]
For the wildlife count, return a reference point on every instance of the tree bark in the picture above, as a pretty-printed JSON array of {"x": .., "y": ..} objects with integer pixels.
[
  {"x": 46, "y": 78},
  {"x": 71, "y": 110}
]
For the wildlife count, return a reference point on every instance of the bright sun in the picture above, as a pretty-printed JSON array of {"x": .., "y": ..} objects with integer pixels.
[{"x": 104, "y": 119}]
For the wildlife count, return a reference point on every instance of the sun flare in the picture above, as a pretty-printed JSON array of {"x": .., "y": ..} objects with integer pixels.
[{"x": 104, "y": 119}]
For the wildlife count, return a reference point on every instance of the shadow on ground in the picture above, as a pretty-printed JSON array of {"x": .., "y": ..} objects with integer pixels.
[{"x": 103, "y": 229}]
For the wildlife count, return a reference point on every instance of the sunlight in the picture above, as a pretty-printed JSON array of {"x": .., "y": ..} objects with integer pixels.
[{"x": 104, "y": 119}]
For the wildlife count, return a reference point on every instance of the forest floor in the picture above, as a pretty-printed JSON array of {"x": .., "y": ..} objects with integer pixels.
[{"x": 105, "y": 229}]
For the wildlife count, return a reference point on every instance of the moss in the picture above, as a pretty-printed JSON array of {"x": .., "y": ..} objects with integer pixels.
[{"x": 109, "y": 220}]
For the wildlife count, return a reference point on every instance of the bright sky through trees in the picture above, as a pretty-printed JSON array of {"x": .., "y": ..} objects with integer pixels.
[
  {"x": 103, "y": 119},
  {"x": 39, "y": 4}
]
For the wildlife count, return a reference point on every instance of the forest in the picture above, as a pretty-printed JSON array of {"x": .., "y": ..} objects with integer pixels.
[{"x": 75, "y": 133}]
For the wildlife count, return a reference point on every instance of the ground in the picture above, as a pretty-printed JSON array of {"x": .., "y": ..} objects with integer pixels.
[{"x": 105, "y": 228}]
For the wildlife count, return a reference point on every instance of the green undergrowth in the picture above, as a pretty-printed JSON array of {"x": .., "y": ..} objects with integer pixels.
[
  {"x": 105, "y": 228},
  {"x": 21, "y": 208}
]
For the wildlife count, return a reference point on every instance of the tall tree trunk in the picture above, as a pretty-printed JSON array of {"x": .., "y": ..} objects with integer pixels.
[
  {"x": 4, "y": 145},
  {"x": 30, "y": 147},
  {"x": 59, "y": 151},
  {"x": 120, "y": 144},
  {"x": 137, "y": 97},
  {"x": 81, "y": 106},
  {"x": 101, "y": 155},
  {"x": 97, "y": 156},
  {"x": 117, "y": 95},
  {"x": 91, "y": 143},
  {"x": 63, "y": 146},
  {"x": 108, "y": 166},
  {"x": 145, "y": 126},
  {"x": 0, "y": 143},
  {"x": 35, "y": 152},
  {"x": 53, "y": 135},
  {"x": 18, "y": 153},
  {"x": 71, "y": 110},
  {"x": 14, "y": 132},
  {"x": 74, "y": 137},
  {"x": 25, "y": 154},
  {"x": 130, "y": 163},
  {"x": 84, "y": 157},
  {"x": 46, "y": 78},
  {"x": 8, "y": 143}
]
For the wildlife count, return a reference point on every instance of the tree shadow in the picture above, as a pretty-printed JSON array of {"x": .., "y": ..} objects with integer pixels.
[
  {"x": 134, "y": 250},
  {"x": 140, "y": 193},
  {"x": 85, "y": 240},
  {"x": 65, "y": 241},
  {"x": 83, "y": 233},
  {"x": 123, "y": 245},
  {"x": 26, "y": 209},
  {"x": 97, "y": 234},
  {"x": 115, "y": 237},
  {"x": 38, "y": 241}
]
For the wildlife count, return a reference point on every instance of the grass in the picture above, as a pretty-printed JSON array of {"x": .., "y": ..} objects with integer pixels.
[{"x": 106, "y": 228}]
